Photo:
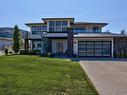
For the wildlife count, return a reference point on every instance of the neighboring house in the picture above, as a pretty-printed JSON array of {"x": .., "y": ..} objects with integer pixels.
[
  {"x": 6, "y": 33},
  {"x": 83, "y": 39},
  {"x": 8, "y": 43},
  {"x": 5, "y": 43}
]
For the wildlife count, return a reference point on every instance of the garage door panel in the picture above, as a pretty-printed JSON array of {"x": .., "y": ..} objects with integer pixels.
[
  {"x": 94, "y": 48},
  {"x": 82, "y": 53},
  {"x": 98, "y": 53}
]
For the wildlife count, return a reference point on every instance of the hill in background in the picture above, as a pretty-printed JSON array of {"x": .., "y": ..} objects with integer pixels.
[{"x": 7, "y": 32}]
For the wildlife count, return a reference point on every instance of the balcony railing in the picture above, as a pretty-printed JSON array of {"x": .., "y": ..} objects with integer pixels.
[
  {"x": 47, "y": 34},
  {"x": 87, "y": 31},
  {"x": 56, "y": 34},
  {"x": 31, "y": 36}
]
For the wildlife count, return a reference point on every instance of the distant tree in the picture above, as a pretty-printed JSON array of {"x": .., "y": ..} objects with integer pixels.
[
  {"x": 27, "y": 41},
  {"x": 123, "y": 32},
  {"x": 17, "y": 41},
  {"x": 6, "y": 51}
]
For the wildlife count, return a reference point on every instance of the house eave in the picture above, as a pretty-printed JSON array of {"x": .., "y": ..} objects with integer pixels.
[
  {"x": 97, "y": 35},
  {"x": 49, "y": 19},
  {"x": 34, "y": 24}
]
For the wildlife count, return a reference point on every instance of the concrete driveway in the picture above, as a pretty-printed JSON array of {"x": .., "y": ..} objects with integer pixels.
[{"x": 108, "y": 77}]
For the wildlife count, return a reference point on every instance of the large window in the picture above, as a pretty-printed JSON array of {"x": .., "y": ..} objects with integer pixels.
[
  {"x": 64, "y": 26},
  {"x": 79, "y": 30},
  {"x": 51, "y": 26},
  {"x": 44, "y": 28},
  {"x": 96, "y": 29},
  {"x": 58, "y": 26},
  {"x": 37, "y": 30},
  {"x": 39, "y": 45},
  {"x": 94, "y": 48}
]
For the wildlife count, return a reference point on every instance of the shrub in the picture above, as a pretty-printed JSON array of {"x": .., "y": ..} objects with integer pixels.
[
  {"x": 50, "y": 55},
  {"x": 10, "y": 52},
  {"x": 44, "y": 55},
  {"x": 117, "y": 55},
  {"x": 74, "y": 55},
  {"x": 66, "y": 52},
  {"x": 23, "y": 52},
  {"x": 6, "y": 51},
  {"x": 28, "y": 52},
  {"x": 32, "y": 52}
]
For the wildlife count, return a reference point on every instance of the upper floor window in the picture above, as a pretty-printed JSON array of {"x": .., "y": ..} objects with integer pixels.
[
  {"x": 44, "y": 28},
  {"x": 64, "y": 23},
  {"x": 64, "y": 26},
  {"x": 58, "y": 26},
  {"x": 51, "y": 26},
  {"x": 39, "y": 45},
  {"x": 96, "y": 29},
  {"x": 79, "y": 30},
  {"x": 38, "y": 29},
  {"x": 51, "y": 23}
]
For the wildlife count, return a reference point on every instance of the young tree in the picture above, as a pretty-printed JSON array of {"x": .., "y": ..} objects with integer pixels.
[
  {"x": 27, "y": 41},
  {"x": 6, "y": 51},
  {"x": 123, "y": 32},
  {"x": 16, "y": 40}
]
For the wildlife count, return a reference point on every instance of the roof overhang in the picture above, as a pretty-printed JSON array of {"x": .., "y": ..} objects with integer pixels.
[
  {"x": 83, "y": 24},
  {"x": 96, "y": 35},
  {"x": 50, "y": 19},
  {"x": 35, "y": 24},
  {"x": 55, "y": 35}
]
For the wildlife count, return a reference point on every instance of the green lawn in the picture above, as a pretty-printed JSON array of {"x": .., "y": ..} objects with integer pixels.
[{"x": 33, "y": 75}]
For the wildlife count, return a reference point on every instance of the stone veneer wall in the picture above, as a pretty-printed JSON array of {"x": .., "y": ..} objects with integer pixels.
[{"x": 120, "y": 47}]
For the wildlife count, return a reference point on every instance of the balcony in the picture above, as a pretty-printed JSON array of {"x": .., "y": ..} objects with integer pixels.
[
  {"x": 83, "y": 30},
  {"x": 49, "y": 35},
  {"x": 55, "y": 34},
  {"x": 31, "y": 36}
]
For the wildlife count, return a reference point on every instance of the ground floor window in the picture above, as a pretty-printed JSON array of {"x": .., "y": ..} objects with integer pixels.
[
  {"x": 33, "y": 45},
  {"x": 39, "y": 45},
  {"x": 94, "y": 48}
]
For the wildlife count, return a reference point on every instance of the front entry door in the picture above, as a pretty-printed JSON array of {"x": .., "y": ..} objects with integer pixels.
[{"x": 60, "y": 47}]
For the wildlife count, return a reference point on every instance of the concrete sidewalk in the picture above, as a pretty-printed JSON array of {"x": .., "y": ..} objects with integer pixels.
[{"x": 109, "y": 77}]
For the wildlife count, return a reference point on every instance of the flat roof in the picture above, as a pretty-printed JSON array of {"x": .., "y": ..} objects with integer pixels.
[
  {"x": 82, "y": 23},
  {"x": 32, "y": 24},
  {"x": 45, "y": 19}
]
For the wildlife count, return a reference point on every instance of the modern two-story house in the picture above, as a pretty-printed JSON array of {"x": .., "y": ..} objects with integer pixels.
[{"x": 83, "y": 39}]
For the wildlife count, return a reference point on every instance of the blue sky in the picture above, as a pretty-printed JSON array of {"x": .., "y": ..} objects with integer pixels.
[{"x": 22, "y": 11}]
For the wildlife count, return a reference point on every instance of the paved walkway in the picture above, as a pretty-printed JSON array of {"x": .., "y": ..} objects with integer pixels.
[{"x": 109, "y": 77}]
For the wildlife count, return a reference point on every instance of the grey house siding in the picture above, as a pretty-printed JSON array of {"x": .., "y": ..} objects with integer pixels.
[
  {"x": 120, "y": 47},
  {"x": 70, "y": 41}
]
